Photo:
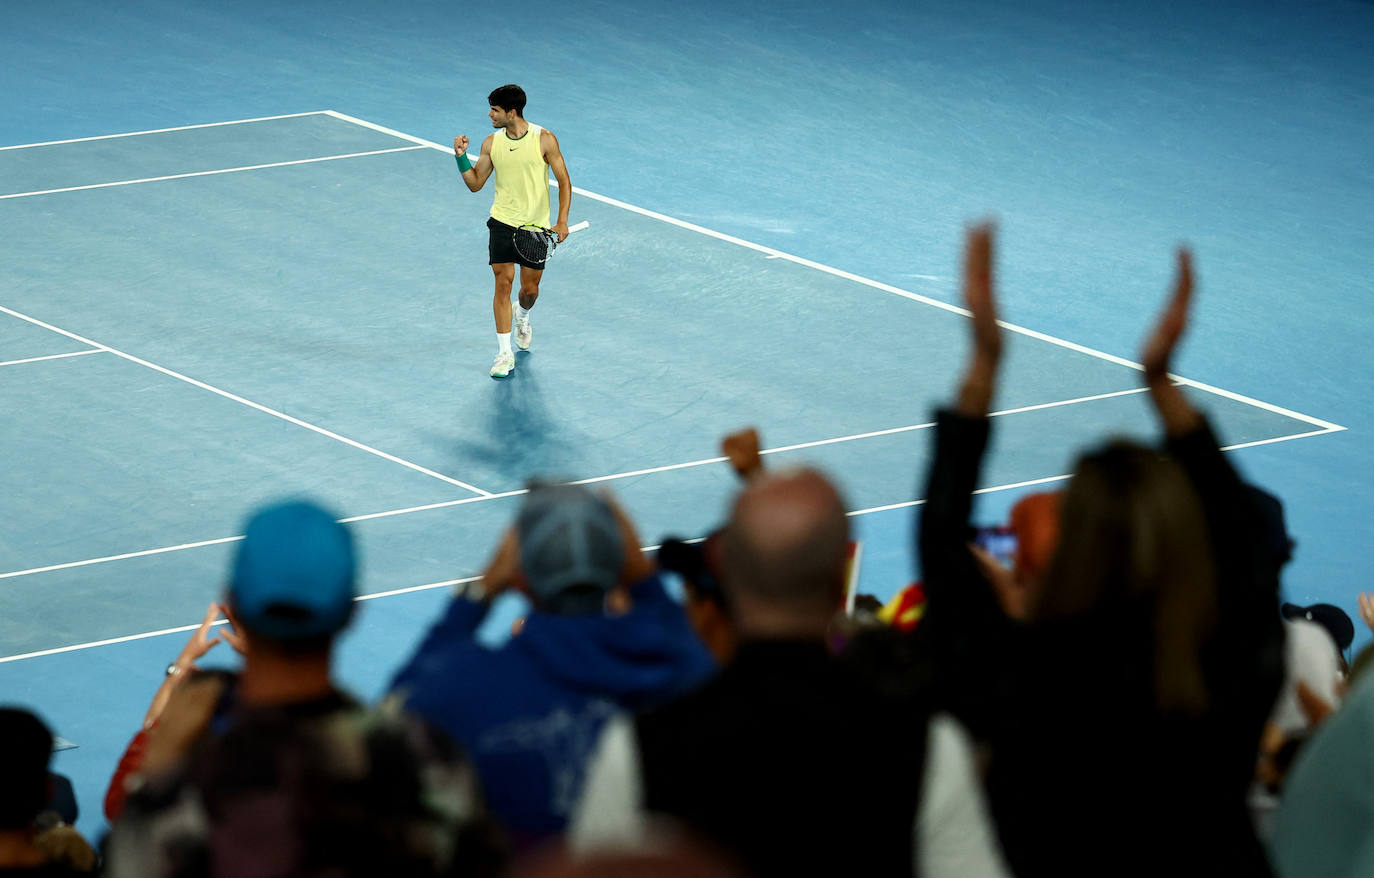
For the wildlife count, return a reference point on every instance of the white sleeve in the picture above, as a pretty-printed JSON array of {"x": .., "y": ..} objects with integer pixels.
[
  {"x": 610, "y": 812},
  {"x": 954, "y": 835}
]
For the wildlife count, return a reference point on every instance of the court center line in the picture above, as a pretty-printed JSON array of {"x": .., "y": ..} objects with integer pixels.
[
  {"x": 352, "y": 443},
  {"x": 53, "y": 357},
  {"x": 327, "y": 158},
  {"x": 162, "y": 130},
  {"x": 771, "y": 252},
  {"x": 445, "y": 504}
]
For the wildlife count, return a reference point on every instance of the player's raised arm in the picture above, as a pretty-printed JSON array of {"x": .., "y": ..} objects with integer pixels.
[
  {"x": 554, "y": 157},
  {"x": 475, "y": 176}
]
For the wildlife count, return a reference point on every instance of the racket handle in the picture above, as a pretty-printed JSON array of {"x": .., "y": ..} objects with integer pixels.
[{"x": 578, "y": 227}]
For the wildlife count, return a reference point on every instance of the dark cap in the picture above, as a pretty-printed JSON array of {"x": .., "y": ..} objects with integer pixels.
[
  {"x": 569, "y": 539},
  {"x": 294, "y": 573},
  {"x": 27, "y": 745},
  {"x": 1335, "y": 620},
  {"x": 1274, "y": 536}
]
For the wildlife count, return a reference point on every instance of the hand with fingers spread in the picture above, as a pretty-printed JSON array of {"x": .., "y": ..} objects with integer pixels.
[
  {"x": 1158, "y": 351},
  {"x": 199, "y": 644},
  {"x": 196, "y": 647},
  {"x": 975, "y": 393}
]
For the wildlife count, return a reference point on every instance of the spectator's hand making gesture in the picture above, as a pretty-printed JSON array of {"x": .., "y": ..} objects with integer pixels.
[
  {"x": 975, "y": 394},
  {"x": 1158, "y": 351}
]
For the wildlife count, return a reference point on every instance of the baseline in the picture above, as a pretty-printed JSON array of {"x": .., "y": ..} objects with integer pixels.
[
  {"x": 161, "y": 130},
  {"x": 329, "y": 158},
  {"x": 53, "y": 357}
]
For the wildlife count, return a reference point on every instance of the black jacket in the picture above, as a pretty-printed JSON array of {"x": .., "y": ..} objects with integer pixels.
[{"x": 1086, "y": 776}]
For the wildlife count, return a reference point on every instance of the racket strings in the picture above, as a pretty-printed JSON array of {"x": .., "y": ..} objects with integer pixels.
[{"x": 534, "y": 243}]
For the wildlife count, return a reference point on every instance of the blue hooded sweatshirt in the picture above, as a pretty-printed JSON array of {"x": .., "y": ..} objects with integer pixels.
[{"x": 529, "y": 712}]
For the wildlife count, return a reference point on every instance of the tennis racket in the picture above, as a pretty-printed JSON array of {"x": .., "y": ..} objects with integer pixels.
[{"x": 537, "y": 243}]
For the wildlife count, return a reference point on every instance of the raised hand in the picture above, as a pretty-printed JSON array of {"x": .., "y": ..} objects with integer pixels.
[
  {"x": 975, "y": 394},
  {"x": 460, "y": 144},
  {"x": 742, "y": 450},
  {"x": 1160, "y": 345},
  {"x": 1158, "y": 352},
  {"x": 200, "y": 643},
  {"x": 979, "y": 297}
]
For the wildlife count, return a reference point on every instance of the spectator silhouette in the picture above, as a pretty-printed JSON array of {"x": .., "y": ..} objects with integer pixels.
[
  {"x": 1124, "y": 714},
  {"x": 759, "y": 760},
  {"x": 275, "y": 771},
  {"x": 25, "y": 788},
  {"x": 603, "y": 636}
]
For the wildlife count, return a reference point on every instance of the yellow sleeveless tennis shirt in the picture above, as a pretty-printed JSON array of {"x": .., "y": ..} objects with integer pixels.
[{"x": 522, "y": 179}]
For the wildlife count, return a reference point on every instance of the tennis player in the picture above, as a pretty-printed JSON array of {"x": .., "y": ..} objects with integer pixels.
[{"x": 521, "y": 153}]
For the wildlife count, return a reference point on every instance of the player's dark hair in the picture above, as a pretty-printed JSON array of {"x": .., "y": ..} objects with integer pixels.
[
  {"x": 508, "y": 97},
  {"x": 26, "y": 744}
]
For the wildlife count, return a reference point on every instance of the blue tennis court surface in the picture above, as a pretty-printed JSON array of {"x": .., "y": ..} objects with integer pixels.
[
  {"x": 316, "y": 325},
  {"x": 238, "y": 263}
]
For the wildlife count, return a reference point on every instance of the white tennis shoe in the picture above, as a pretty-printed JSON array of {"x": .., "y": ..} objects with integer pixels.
[
  {"x": 503, "y": 365},
  {"x": 524, "y": 333}
]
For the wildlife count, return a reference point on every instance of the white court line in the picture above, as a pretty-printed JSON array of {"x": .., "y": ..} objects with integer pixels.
[
  {"x": 248, "y": 402},
  {"x": 706, "y": 461},
  {"x": 1048, "y": 479},
  {"x": 452, "y": 582},
  {"x": 54, "y": 357},
  {"x": 1326, "y": 427},
  {"x": 773, "y": 253},
  {"x": 180, "y": 629},
  {"x": 161, "y": 130},
  {"x": 390, "y": 593},
  {"x": 327, "y": 158}
]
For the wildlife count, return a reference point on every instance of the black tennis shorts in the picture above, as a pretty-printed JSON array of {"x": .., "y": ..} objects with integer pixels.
[{"x": 501, "y": 246}]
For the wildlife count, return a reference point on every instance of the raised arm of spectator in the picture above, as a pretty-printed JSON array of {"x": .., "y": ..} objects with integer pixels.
[
  {"x": 960, "y": 438},
  {"x": 1250, "y": 634},
  {"x": 963, "y": 617},
  {"x": 1189, "y": 437},
  {"x": 177, "y": 673},
  {"x": 1175, "y": 413}
]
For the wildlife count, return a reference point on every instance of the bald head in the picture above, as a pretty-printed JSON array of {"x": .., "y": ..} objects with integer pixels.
[{"x": 786, "y": 544}]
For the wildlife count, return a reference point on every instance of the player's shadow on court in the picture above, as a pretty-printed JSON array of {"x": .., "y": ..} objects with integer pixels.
[{"x": 519, "y": 438}]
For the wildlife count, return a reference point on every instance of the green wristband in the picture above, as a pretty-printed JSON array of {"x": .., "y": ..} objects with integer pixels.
[{"x": 463, "y": 164}]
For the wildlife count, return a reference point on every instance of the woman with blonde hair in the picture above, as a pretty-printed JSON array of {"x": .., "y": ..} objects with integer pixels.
[{"x": 1122, "y": 712}]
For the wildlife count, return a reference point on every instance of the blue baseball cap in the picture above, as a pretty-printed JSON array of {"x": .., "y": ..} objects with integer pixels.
[{"x": 294, "y": 574}]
